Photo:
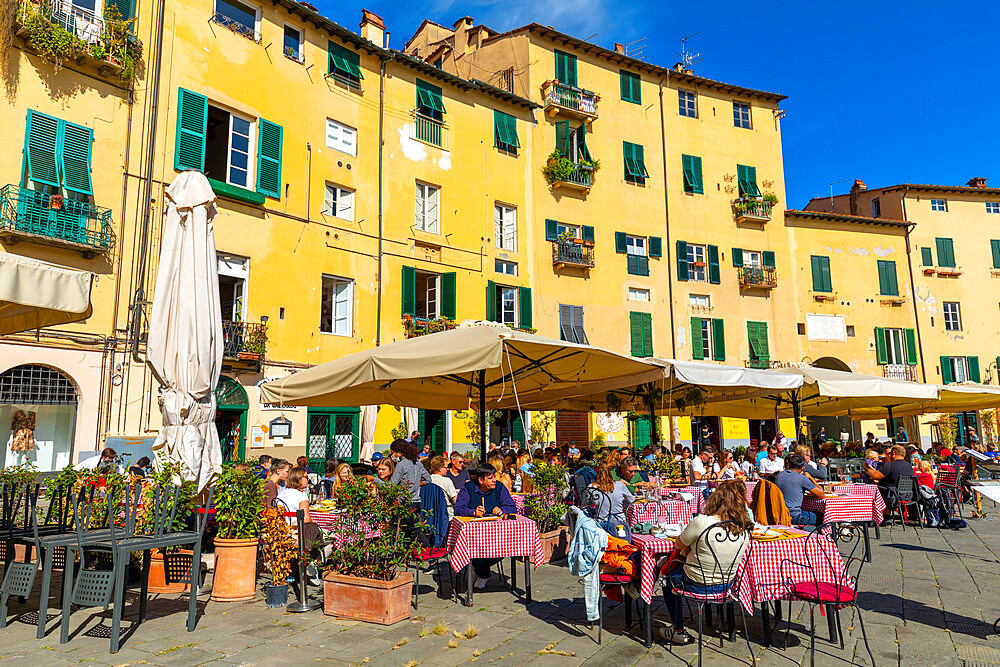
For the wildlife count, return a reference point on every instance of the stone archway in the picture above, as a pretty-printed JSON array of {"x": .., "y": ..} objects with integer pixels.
[
  {"x": 38, "y": 405},
  {"x": 834, "y": 425},
  {"x": 833, "y": 364}
]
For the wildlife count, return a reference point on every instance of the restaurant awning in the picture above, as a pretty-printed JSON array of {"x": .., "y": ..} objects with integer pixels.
[
  {"x": 35, "y": 294},
  {"x": 967, "y": 396}
]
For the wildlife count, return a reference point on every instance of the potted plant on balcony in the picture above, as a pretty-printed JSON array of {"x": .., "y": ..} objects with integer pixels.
[
  {"x": 770, "y": 198},
  {"x": 239, "y": 501},
  {"x": 280, "y": 548},
  {"x": 365, "y": 576},
  {"x": 56, "y": 202},
  {"x": 557, "y": 168},
  {"x": 546, "y": 508}
]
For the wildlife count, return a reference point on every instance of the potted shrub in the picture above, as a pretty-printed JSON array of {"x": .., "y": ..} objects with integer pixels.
[
  {"x": 280, "y": 549},
  {"x": 365, "y": 576},
  {"x": 666, "y": 469},
  {"x": 546, "y": 508},
  {"x": 239, "y": 501}
]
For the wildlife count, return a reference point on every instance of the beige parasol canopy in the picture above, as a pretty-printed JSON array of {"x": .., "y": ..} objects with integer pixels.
[
  {"x": 185, "y": 331},
  {"x": 35, "y": 294},
  {"x": 967, "y": 396}
]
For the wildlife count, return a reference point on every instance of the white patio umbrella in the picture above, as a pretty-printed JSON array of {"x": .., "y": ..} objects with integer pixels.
[
  {"x": 369, "y": 416},
  {"x": 185, "y": 331}
]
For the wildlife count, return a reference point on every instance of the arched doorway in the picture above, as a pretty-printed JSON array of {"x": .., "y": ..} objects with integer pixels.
[
  {"x": 37, "y": 417},
  {"x": 832, "y": 363},
  {"x": 833, "y": 426},
  {"x": 231, "y": 418}
]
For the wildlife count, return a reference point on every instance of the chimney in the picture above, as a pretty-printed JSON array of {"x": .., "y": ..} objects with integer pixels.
[
  {"x": 372, "y": 27},
  {"x": 856, "y": 189},
  {"x": 619, "y": 48},
  {"x": 461, "y": 27},
  {"x": 977, "y": 182}
]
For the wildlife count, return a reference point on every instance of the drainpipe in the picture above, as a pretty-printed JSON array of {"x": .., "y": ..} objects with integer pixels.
[
  {"x": 913, "y": 286},
  {"x": 666, "y": 223},
  {"x": 381, "y": 141},
  {"x": 139, "y": 297}
]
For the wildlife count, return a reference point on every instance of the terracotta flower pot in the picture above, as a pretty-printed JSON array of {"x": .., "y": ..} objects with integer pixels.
[
  {"x": 158, "y": 575},
  {"x": 382, "y": 602},
  {"x": 235, "y": 576},
  {"x": 555, "y": 544}
]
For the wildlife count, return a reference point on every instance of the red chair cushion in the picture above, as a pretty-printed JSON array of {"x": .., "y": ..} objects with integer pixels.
[
  {"x": 430, "y": 553},
  {"x": 823, "y": 592},
  {"x": 615, "y": 578}
]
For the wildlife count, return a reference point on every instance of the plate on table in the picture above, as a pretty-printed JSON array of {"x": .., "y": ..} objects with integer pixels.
[{"x": 765, "y": 533}]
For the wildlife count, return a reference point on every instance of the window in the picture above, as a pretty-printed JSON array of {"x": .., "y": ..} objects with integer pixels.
[
  {"x": 630, "y": 85},
  {"x": 429, "y": 102},
  {"x": 339, "y": 202},
  {"x": 341, "y": 137},
  {"x": 821, "y": 281},
  {"x": 425, "y": 212},
  {"x": 686, "y": 103},
  {"x": 428, "y": 295},
  {"x": 887, "y": 278},
  {"x": 993, "y": 207},
  {"x": 229, "y": 144},
  {"x": 637, "y": 260},
  {"x": 505, "y": 227},
  {"x": 571, "y": 324},
  {"x": 505, "y": 132},
  {"x": 344, "y": 65},
  {"x": 504, "y": 267},
  {"x": 506, "y": 302},
  {"x": 995, "y": 250},
  {"x": 952, "y": 316},
  {"x": 233, "y": 273},
  {"x": 696, "y": 263},
  {"x": 926, "y": 256},
  {"x": 876, "y": 208},
  {"x": 571, "y": 143},
  {"x": 565, "y": 68},
  {"x": 635, "y": 165},
  {"x": 699, "y": 300},
  {"x": 895, "y": 346},
  {"x": 691, "y": 166},
  {"x": 240, "y": 17},
  {"x": 292, "y": 47},
  {"x": 708, "y": 339},
  {"x": 506, "y": 79},
  {"x": 566, "y": 231},
  {"x": 959, "y": 369},
  {"x": 751, "y": 259},
  {"x": 747, "y": 181},
  {"x": 741, "y": 115},
  {"x": 508, "y": 305},
  {"x": 945, "y": 252},
  {"x": 337, "y": 309},
  {"x": 760, "y": 352},
  {"x": 57, "y": 155},
  {"x": 635, "y": 245},
  {"x": 641, "y": 334},
  {"x": 938, "y": 205},
  {"x": 638, "y": 294}
]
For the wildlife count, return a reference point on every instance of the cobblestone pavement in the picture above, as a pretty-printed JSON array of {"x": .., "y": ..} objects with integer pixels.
[{"x": 929, "y": 598}]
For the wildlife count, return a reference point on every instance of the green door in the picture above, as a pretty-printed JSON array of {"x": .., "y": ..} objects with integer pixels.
[
  {"x": 333, "y": 434},
  {"x": 642, "y": 430},
  {"x": 231, "y": 418},
  {"x": 431, "y": 424}
]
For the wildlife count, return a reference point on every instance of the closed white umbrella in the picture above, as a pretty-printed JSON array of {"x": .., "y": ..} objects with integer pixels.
[
  {"x": 185, "y": 331},
  {"x": 369, "y": 415}
]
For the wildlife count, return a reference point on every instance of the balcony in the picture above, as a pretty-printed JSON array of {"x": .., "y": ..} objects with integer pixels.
[
  {"x": 757, "y": 277},
  {"x": 421, "y": 326},
  {"x": 580, "y": 179},
  {"x": 900, "y": 372},
  {"x": 569, "y": 253},
  {"x": 27, "y": 215},
  {"x": 429, "y": 130},
  {"x": 559, "y": 98},
  {"x": 244, "y": 342},
  {"x": 761, "y": 364},
  {"x": 752, "y": 209}
]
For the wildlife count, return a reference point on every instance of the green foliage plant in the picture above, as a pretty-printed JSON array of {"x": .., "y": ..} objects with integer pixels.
[
  {"x": 399, "y": 431},
  {"x": 239, "y": 500},
  {"x": 546, "y": 507}
]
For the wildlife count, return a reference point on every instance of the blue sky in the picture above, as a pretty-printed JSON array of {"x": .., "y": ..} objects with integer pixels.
[{"x": 887, "y": 92}]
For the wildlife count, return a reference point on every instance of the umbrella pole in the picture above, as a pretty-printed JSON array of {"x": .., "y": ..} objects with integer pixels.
[
  {"x": 797, "y": 413},
  {"x": 888, "y": 426},
  {"x": 483, "y": 435}
]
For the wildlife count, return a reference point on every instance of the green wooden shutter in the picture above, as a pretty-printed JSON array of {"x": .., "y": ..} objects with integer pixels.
[
  {"x": 642, "y": 432},
  {"x": 639, "y": 155},
  {"x": 421, "y": 423},
  {"x": 737, "y": 257},
  {"x": 753, "y": 339},
  {"x": 697, "y": 344},
  {"x": 946, "y": 375},
  {"x": 505, "y": 130},
  {"x": 429, "y": 97},
  {"x": 409, "y": 295},
  {"x": 630, "y": 88},
  {"x": 751, "y": 176},
  {"x": 973, "y": 365},
  {"x": 825, "y": 273},
  {"x": 620, "y": 246},
  {"x": 817, "y": 273},
  {"x": 995, "y": 248},
  {"x": 588, "y": 233},
  {"x": 945, "y": 252},
  {"x": 562, "y": 138},
  {"x": 713, "y": 264},
  {"x": 626, "y": 85},
  {"x": 881, "y": 354},
  {"x": 655, "y": 246},
  {"x": 635, "y": 334},
  {"x": 551, "y": 230},
  {"x": 524, "y": 307},
  {"x": 565, "y": 68},
  {"x": 75, "y": 158},
  {"x": 448, "y": 292},
  {"x": 698, "y": 187},
  {"x": 767, "y": 257},
  {"x": 741, "y": 180},
  {"x": 719, "y": 339},
  {"x": 887, "y": 278},
  {"x": 517, "y": 428},
  {"x": 269, "y": 140},
  {"x": 765, "y": 349},
  {"x": 41, "y": 148},
  {"x": 890, "y": 272},
  {"x": 581, "y": 143},
  {"x": 647, "y": 334},
  {"x": 910, "y": 337},
  {"x": 192, "y": 125},
  {"x": 926, "y": 256},
  {"x": 682, "y": 261},
  {"x": 491, "y": 301}
]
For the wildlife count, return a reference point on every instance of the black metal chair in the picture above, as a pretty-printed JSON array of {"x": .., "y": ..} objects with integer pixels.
[
  {"x": 836, "y": 594},
  {"x": 947, "y": 484},
  {"x": 715, "y": 536},
  {"x": 19, "y": 577},
  {"x": 902, "y": 496}
]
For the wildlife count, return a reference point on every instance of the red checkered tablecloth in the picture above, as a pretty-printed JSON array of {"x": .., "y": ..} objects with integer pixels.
[
  {"x": 667, "y": 511},
  {"x": 330, "y": 524},
  {"x": 695, "y": 492},
  {"x": 501, "y": 538},
  {"x": 519, "y": 499},
  {"x": 761, "y": 575},
  {"x": 847, "y": 508},
  {"x": 867, "y": 490}
]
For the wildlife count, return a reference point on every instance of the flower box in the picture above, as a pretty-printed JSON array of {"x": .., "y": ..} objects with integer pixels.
[{"x": 371, "y": 600}]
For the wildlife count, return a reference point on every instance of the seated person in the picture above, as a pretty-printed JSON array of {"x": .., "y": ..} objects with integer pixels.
[
  {"x": 482, "y": 496},
  {"x": 888, "y": 474},
  {"x": 628, "y": 472},
  {"x": 704, "y": 546},
  {"x": 294, "y": 497},
  {"x": 771, "y": 463},
  {"x": 816, "y": 472},
  {"x": 276, "y": 482},
  {"x": 618, "y": 494},
  {"x": 437, "y": 467},
  {"x": 794, "y": 484}
]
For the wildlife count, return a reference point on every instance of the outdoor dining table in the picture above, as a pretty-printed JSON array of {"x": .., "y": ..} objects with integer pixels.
[
  {"x": 760, "y": 575},
  {"x": 469, "y": 537},
  {"x": 331, "y": 523},
  {"x": 665, "y": 511},
  {"x": 694, "y": 491}
]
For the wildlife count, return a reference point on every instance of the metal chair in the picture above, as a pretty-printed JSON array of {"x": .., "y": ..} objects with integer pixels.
[
  {"x": 430, "y": 556},
  {"x": 947, "y": 483},
  {"x": 19, "y": 577},
  {"x": 904, "y": 495},
  {"x": 842, "y": 592}
]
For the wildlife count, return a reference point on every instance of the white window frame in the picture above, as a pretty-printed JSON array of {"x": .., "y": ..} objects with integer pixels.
[
  {"x": 940, "y": 205},
  {"x": 504, "y": 267},
  {"x": 959, "y": 369},
  {"x": 700, "y": 300},
  {"x": 347, "y": 329},
  {"x": 635, "y": 245},
  {"x": 300, "y": 56},
  {"x": 698, "y": 274},
  {"x": 505, "y": 227},
  {"x": 993, "y": 207},
  {"x": 688, "y": 94},
  {"x": 752, "y": 259},
  {"x": 336, "y": 133},
  {"x": 251, "y": 147},
  {"x": 564, "y": 227},
  {"x": 749, "y": 115},
  {"x": 251, "y": 5},
  {"x": 501, "y": 305},
  {"x": 432, "y": 294},
  {"x": 342, "y": 201},
  {"x": 427, "y": 214},
  {"x": 707, "y": 340},
  {"x": 895, "y": 347},
  {"x": 952, "y": 315},
  {"x": 638, "y": 294},
  {"x": 234, "y": 266}
]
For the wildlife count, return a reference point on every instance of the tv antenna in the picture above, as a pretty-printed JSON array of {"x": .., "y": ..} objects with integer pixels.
[
  {"x": 635, "y": 52},
  {"x": 688, "y": 58}
]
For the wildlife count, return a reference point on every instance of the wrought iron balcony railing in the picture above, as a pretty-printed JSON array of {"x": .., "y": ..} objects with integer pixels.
[
  {"x": 580, "y": 178},
  {"x": 246, "y": 341},
  {"x": 239, "y": 28},
  {"x": 900, "y": 372},
  {"x": 576, "y": 100},
  {"x": 34, "y": 216},
  {"x": 752, "y": 209},
  {"x": 568, "y": 253},
  {"x": 763, "y": 277}
]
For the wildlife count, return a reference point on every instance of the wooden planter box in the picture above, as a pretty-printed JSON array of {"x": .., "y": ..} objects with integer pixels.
[
  {"x": 555, "y": 544},
  {"x": 371, "y": 600}
]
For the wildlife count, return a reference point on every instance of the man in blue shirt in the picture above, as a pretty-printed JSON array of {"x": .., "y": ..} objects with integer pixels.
[
  {"x": 264, "y": 466},
  {"x": 482, "y": 496},
  {"x": 794, "y": 484}
]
